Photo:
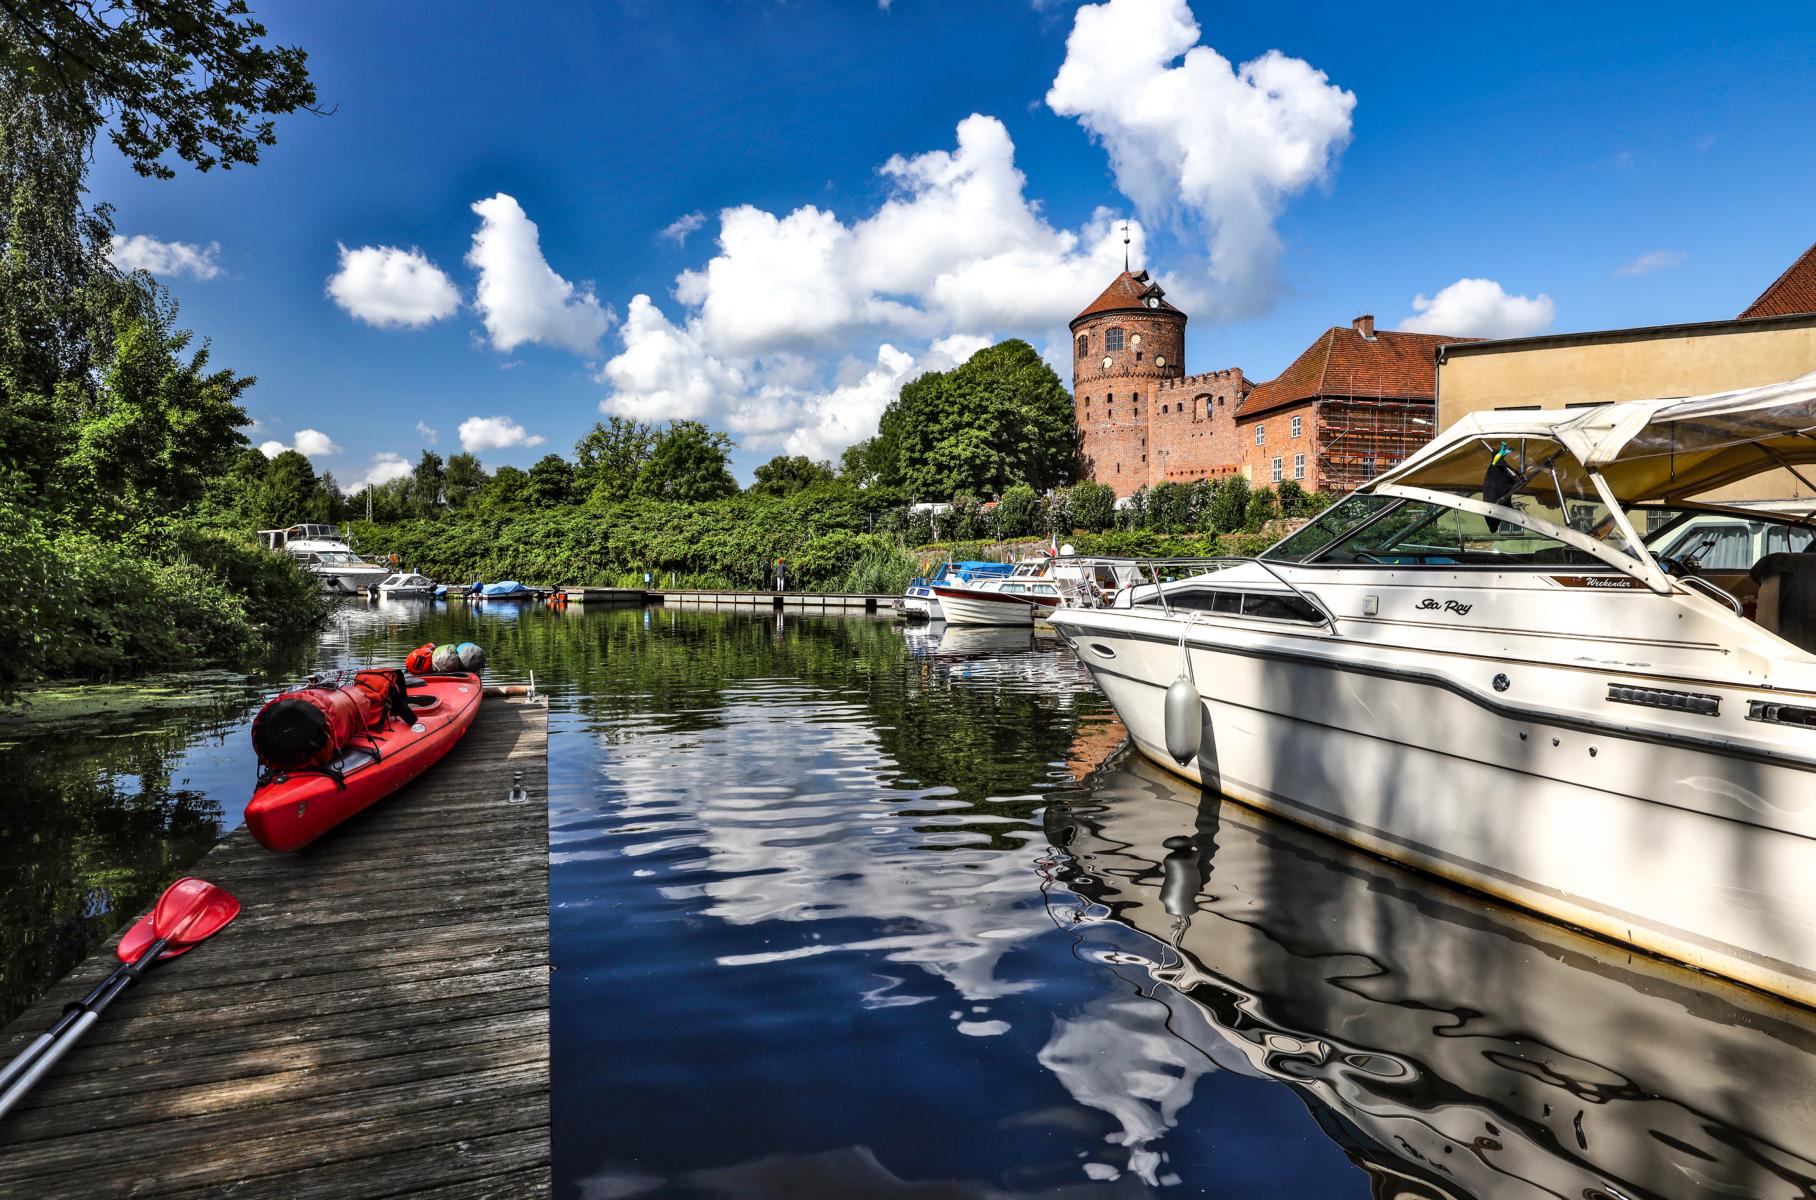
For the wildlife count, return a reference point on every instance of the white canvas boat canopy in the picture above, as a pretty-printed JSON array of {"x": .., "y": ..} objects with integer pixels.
[
  {"x": 1645, "y": 450},
  {"x": 1618, "y": 455}
]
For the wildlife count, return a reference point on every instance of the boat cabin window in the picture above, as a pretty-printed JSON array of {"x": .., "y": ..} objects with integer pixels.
[{"x": 1266, "y": 606}]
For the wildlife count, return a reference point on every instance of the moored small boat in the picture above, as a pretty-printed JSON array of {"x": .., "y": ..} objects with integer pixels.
[
  {"x": 920, "y": 601},
  {"x": 329, "y": 750}
]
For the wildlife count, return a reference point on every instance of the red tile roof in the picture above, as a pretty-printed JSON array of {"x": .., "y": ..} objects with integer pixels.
[
  {"x": 1124, "y": 294},
  {"x": 1791, "y": 293},
  {"x": 1390, "y": 366}
]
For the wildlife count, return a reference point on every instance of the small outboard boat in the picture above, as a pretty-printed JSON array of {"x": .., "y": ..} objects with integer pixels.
[
  {"x": 333, "y": 747},
  {"x": 508, "y": 589}
]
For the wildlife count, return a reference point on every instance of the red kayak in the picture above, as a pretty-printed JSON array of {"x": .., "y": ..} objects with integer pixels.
[{"x": 329, "y": 749}]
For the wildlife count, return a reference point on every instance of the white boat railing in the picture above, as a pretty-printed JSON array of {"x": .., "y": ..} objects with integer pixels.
[{"x": 1096, "y": 581}]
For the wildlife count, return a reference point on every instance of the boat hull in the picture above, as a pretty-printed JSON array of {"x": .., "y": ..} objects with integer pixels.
[
  {"x": 921, "y": 602},
  {"x": 1664, "y": 847},
  {"x": 972, "y": 607},
  {"x": 293, "y": 810}
]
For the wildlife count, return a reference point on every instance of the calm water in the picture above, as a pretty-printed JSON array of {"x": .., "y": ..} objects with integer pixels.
[{"x": 842, "y": 911}]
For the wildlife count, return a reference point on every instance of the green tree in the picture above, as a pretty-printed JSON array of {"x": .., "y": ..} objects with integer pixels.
[
  {"x": 289, "y": 493},
  {"x": 551, "y": 481},
  {"x": 1168, "y": 508},
  {"x": 857, "y": 465},
  {"x": 689, "y": 463},
  {"x": 1000, "y": 419},
  {"x": 611, "y": 456},
  {"x": 1093, "y": 506},
  {"x": 1263, "y": 506},
  {"x": 428, "y": 484},
  {"x": 787, "y": 474},
  {"x": 192, "y": 77},
  {"x": 1018, "y": 513},
  {"x": 1294, "y": 502},
  {"x": 1229, "y": 507},
  {"x": 506, "y": 491},
  {"x": 465, "y": 477}
]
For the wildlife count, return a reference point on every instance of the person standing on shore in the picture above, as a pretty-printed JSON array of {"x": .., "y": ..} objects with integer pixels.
[{"x": 781, "y": 576}]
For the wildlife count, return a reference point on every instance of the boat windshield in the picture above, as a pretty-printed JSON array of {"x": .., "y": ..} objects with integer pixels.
[
  {"x": 1445, "y": 523},
  {"x": 338, "y": 557}
]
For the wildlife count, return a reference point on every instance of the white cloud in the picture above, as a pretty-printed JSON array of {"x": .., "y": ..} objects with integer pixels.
[
  {"x": 314, "y": 443},
  {"x": 392, "y": 288},
  {"x": 764, "y": 346},
  {"x": 141, "y": 252},
  {"x": 678, "y": 229},
  {"x": 1656, "y": 260},
  {"x": 427, "y": 434},
  {"x": 494, "y": 433},
  {"x": 1479, "y": 308},
  {"x": 386, "y": 466},
  {"x": 519, "y": 296},
  {"x": 664, "y": 373},
  {"x": 956, "y": 247},
  {"x": 1218, "y": 149},
  {"x": 311, "y": 443}
]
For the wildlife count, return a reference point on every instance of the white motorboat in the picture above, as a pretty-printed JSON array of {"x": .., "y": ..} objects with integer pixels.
[
  {"x": 1479, "y": 666},
  {"x": 1015, "y": 599},
  {"x": 406, "y": 586},
  {"x": 321, "y": 552},
  {"x": 919, "y": 600}
]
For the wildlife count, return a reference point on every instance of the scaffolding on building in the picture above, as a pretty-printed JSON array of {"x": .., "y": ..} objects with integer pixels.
[{"x": 1358, "y": 439}]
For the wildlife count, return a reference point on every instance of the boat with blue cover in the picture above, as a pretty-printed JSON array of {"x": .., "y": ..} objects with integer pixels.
[{"x": 920, "y": 600}]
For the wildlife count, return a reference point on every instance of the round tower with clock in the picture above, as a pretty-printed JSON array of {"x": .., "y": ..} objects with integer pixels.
[{"x": 1125, "y": 345}]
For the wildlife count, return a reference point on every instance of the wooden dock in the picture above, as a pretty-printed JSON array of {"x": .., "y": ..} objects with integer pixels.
[
  {"x": 375, "y": 1022},
  {"x": 789, "y": 601}
]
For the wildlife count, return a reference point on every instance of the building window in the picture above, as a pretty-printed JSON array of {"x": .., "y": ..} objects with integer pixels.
[
  {"x": 1260, "y": 435},
  {"x": 1087, "y": 402},
  {"x": 1084, "y": 344},
  {"x": 1298, "y": 426},
  {"x": 1276, "y": 470},
  {"x": 1163, "y": 410},
  {"x": 1112, "y": 339},
  {"x": 1298, "y": 466}
]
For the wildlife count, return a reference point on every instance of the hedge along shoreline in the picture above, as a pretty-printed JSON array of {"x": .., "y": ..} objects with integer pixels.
[{"x": 822, "y": 537}]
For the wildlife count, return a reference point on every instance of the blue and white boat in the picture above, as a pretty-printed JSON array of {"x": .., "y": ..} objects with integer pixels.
[{"x": 919, "y": 600}]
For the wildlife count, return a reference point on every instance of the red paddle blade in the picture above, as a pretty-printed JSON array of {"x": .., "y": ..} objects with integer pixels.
[
  {"x": 139, "y": 938},
  {"x": 189, "y": 911}
]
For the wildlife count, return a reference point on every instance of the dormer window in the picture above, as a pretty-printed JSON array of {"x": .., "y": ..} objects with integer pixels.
[{"x": 1112, "y": 339}]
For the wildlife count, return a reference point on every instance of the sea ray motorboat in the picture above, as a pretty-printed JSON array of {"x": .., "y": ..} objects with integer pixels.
[
  {"x": 920, "y": 601},
  {"x": 320, "y": 550},
  {"x": 407, "y": 586},
  {"x": 1484, "y": 665}
]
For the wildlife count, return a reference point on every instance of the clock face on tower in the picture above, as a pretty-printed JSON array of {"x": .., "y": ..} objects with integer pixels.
[
  {"x": 1107, "y": 360},
  {"x": 1153, "y": 301},
  {"x": 1160, "y": 360}
]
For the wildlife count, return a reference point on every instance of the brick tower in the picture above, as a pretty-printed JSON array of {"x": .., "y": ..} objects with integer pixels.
[{"x": 1125, "y": 345}]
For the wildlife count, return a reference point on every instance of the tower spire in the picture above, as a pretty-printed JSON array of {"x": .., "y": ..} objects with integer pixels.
[{"x": 1125, "y": 245}]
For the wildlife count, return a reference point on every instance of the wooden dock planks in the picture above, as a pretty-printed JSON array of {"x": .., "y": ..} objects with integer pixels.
[{"x": 375, "y": 1022}]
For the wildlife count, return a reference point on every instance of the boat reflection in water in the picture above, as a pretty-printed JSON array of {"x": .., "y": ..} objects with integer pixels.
[{"x": 1451, "y": 1047}]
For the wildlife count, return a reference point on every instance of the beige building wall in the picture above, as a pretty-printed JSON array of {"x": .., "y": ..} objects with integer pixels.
[
  {"x": 1623, "y": 364},
  {"x": 1632, "y": 364}
]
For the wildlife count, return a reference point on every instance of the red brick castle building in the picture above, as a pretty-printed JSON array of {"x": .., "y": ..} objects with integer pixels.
[{"x": 1356, "y": 402}]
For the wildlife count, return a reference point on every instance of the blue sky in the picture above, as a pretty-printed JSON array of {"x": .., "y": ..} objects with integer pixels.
[{"x": 879, "y": 189}]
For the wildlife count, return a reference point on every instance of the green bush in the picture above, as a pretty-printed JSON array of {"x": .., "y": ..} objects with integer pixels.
[
  {"x": 1093, "y": 506},
  {"x": 1018, "y": 513}
]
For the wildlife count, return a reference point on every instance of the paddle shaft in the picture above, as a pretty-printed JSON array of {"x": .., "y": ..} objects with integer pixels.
[
  {"x": 51, "y": 1046},
  {"x": 71, "y": 1013}
]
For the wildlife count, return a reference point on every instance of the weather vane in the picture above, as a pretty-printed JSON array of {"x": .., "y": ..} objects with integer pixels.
[{"x": 1125, "y": 245}]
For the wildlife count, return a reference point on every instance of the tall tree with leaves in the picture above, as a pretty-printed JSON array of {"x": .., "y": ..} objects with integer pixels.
[
  {"x": 551, "y": 481},
  {"x": 193, "y": 78},
  {"x": 1000, "y": 419},
  {"x": 690, "y": 462},
  {"x": 289, "y": 493},
  {"x": 428, "y": 484},
  {"x": 611, "y": 456},
  {"x": 786, "y": 474},
  {"x": 466, "y": 475}
]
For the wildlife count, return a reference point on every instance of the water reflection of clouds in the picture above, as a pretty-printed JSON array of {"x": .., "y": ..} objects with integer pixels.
[{"x": 765, "y": 797}]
